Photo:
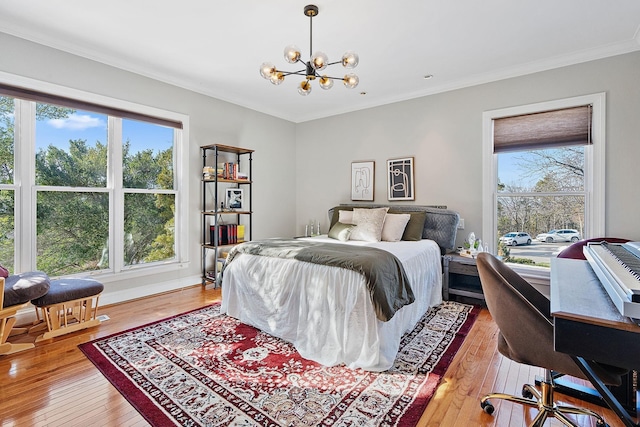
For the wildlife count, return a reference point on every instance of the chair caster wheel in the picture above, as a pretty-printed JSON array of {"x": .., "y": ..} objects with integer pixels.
[
  {"x": 526, "y": 393},
  {"x": 487, "y": 407}
]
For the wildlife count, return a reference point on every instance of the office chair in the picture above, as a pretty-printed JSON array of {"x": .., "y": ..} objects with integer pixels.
[{"x": 525, "y": 326}]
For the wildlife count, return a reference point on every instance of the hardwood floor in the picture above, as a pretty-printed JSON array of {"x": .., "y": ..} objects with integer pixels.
[{"x": 55, "y": 385}]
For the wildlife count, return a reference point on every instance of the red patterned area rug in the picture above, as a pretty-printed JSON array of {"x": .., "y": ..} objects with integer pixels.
[{"x": 204, "y": 368}]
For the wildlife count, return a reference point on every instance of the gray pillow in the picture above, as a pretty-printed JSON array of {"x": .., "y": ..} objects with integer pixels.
[
  {"x": 415, "y": 226},
  {"x": 341, "y": 231}
]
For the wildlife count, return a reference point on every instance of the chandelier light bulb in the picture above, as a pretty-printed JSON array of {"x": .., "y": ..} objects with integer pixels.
[
  {"x": 326, "y": 83},
  {"x": 319, "y": 61},
  {"x": 292, "y": 54},
  {"x": 305, "y": 88},
  {"x": 351, "y": 81},
  {"x": 350, "y": 60},
  {"x": 277, "y": 78},
  {"x": 267, "y": 69}
]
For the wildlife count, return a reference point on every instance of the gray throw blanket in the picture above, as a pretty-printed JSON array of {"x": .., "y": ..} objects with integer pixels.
[{"x": 386, "y": 279}]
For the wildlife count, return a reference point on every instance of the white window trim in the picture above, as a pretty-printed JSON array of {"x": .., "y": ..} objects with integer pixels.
[
  {"x": 26, "y": 243},
  {"x": 594, "y": 160}
]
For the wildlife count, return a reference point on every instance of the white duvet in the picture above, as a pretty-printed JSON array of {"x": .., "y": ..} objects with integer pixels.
[{"x": 326, "y": 312}]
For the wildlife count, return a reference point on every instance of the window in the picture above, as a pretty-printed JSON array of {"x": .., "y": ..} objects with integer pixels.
[
  {"x": 100, "y": 186},
  {"x": 7, "y": 186},
  {"x": 546, "y": 180}
]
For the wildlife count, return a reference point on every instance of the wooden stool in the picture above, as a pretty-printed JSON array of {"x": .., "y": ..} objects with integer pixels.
[{"x": 69, "y": 306}]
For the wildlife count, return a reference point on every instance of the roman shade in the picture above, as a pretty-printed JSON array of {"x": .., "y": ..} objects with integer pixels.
[
  {"x": 32, "y": 95},
  {"x": 548, "y": 129}
]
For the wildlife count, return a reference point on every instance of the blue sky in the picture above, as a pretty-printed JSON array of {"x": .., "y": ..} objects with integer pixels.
[
  {"x": 92, "y": 127},
  {"x": 510, "y": 173}
]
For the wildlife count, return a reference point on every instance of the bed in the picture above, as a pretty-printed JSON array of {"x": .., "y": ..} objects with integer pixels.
[{"x": 326, "y": 311}]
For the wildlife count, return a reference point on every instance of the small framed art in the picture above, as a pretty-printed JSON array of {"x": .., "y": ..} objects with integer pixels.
[
  {"x": 400, "y": 179},
  {"x": 362, "y": 177},
  {"x": 235, "y": 199}
]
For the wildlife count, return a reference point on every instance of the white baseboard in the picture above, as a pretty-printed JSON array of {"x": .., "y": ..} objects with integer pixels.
[{"x": 28, "y": 315}]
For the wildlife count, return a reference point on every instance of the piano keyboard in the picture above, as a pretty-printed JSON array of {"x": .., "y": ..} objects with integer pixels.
[
  {"x": 618, "y": 268},
  {"x": 631, "y": 265}
]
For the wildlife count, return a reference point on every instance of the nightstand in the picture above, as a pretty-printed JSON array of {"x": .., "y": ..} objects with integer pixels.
[{"x": 460, "y": 278}]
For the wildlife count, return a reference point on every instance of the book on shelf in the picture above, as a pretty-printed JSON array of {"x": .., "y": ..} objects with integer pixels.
[
  {"x": 228, "y": 170},
  {"x": 225, "y": 234}
]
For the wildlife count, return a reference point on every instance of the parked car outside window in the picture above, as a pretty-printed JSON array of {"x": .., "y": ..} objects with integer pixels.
[
  {"x": 516, "y": 238},
  {"x": 562, "y": 235}
]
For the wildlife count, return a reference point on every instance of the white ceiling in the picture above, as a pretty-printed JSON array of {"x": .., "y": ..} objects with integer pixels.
[{"x": 216, "y": 47}]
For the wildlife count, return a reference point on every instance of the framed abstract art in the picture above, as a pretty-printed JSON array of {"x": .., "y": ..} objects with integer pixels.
[
  {"x": 362, "y": 177},
  {"x": 400, "y": 184}
]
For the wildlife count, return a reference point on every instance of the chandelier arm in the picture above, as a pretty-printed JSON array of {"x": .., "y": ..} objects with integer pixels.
[
  {"x": 299, "y": 73},
  {"x": 333, "y": 63},
  {"x": 330, "y": 77}
]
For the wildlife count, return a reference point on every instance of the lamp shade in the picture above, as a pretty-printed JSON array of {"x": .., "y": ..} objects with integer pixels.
[
  {"x": 305, "y": 88},
  {"x": 267, "y": 69},
  {"x": 350, "y": 60},
  {"x": 292, "y": 54},
  {"x": 277, "y": 78},
  {"x": 319, "y": 61},
  {"x": 351, "y": 81},
  {"x": 326, "y": 83}
]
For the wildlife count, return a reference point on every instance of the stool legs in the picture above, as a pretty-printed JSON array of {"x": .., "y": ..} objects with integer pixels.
[{"x": 66, "y": 317}]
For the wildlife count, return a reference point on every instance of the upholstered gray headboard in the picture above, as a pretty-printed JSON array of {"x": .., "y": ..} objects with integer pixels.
[{"x": 441, "y": 224}]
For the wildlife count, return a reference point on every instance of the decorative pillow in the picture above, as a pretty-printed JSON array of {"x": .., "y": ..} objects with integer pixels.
[
  {"x": 341, "y": 231},
  {"x": 4, "y": 273},
  {"x": 345, "y": 217},
  {"x": 368, "y": 223},
  {"x": 415, "y": 226},
  {"x": 336, "y": 213},
  {"x": 393, "y": 227}
]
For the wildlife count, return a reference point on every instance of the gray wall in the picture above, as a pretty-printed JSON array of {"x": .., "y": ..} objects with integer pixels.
[{"x": 444, "y": 134}]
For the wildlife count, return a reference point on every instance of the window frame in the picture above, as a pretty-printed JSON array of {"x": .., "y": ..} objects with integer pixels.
[
  {"x": 26, "y": 190},
  {"x": 594, "y": 170}
]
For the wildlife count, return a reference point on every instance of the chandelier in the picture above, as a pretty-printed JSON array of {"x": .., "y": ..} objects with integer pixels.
[{"x": 317, "y": 62}]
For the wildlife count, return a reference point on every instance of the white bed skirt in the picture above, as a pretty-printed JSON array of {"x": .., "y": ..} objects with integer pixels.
[{"x": 326, "y": 312}]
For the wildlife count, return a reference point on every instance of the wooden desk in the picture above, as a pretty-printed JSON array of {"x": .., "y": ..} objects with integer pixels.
[
  {"x": 587, "y": 323},
  {"x": 588, "y": 326}
]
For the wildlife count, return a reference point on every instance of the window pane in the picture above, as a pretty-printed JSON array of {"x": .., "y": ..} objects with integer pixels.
[
  {"x": 7, "y": 115},
  {"x": 149, "y": 227},
  {"x": 71, "y": 148},
  {"x": 552, "y": 170},
  {"x": 72, "y": 232},
  {"x": 147, "y": 155},
  {"x": 7, "y": 224},
  {"x": 553, "y": 222}
]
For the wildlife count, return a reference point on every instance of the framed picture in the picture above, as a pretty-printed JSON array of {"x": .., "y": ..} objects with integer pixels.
[
  {"x": 400, "y": 179},
  {"x": 362, "y": 177},
  {"x": 235, "y": 199}
]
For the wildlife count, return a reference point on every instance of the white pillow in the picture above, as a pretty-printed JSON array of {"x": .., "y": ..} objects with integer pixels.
[
  {"x": 394, "y": 225},
  {"x": 345, "y": 217},
  {"x": 368, "y": 223}
]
